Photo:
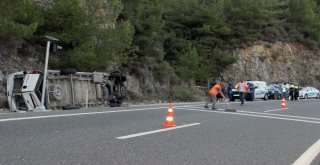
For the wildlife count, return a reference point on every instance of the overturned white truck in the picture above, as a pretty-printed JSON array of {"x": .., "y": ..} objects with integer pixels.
[{"x": 65, "y": 89}]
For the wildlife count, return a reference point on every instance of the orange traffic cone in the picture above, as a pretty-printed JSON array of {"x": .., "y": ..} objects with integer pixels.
[
  {"x": 283, "y": 104},
  {"x": 169, "y": 120}
]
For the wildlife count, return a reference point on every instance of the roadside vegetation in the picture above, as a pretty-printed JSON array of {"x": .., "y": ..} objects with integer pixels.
[{"x": 190, "y": 38}]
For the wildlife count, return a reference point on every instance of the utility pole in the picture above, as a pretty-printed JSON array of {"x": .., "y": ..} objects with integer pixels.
[{"x": 44, "y": 83}]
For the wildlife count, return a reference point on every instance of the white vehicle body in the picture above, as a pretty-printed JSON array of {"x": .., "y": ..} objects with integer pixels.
[
  {"x": 260, "y": 91},
  {"x": 309, "y": 92},
  {"x": 66, "y": 89}
]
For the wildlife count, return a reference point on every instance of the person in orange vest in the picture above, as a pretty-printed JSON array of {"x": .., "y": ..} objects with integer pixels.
[
  {"x": 242, "y": 89},
  {"x": 213, "y": 93}
]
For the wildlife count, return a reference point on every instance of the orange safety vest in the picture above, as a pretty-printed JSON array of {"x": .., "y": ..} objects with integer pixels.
[
  {"x": 215, "y": 90},
  {"x": 244, "y": 86}
]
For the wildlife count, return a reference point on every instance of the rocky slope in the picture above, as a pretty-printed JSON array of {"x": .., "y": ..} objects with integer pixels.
[
  {"x": 262, "y": 61},
  {"x": 280, "y": 62}
]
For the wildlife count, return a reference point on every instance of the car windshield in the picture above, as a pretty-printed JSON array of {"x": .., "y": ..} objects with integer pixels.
[
  {"x": 270, "y": 87},
  {"x": 302, "y": 89}
]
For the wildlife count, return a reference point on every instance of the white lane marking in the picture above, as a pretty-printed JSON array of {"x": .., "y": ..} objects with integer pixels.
[
  {"x": 233, "y": 102},
  {"x": 252, "y": 115},
  {"x": 156, "y": 131},
  {"x": 271, "y": 114},
  {"x": 275, "y": 110},
  {"x": 165, "y": 104},
  {"x": 75, "y": 114},
  {"x": 198, "y": 103},
  {"x": 308, "y": 156},
  {"x": 202, "y": 103}
]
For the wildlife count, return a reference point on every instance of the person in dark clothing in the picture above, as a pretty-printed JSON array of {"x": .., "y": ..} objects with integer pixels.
[
  {"x": 219, "y": 96},
  {"x": 296, "y": 92},
  {"x": 251, "y": 89},
  {"x": 230, "y": 86},
  {"x": 212, "y": 83},
  {"x": 291, "y": 91}
]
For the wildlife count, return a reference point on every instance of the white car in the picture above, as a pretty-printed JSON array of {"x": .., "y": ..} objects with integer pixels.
[
  {"x": 260, "y": 91},
  {"x": 309, "y": 92}
]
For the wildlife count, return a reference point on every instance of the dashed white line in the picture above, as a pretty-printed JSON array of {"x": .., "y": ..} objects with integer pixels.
[
  {"x": 271, "y": 114},
  {"x": 308, "y": 156},
  {"x": 156, "y": 131},
  {"x": 275, "y": 110}
]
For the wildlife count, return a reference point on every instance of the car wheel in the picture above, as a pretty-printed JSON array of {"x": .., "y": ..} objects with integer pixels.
[
  {"x": 265, "y": 97},
  {"x": 305, "y": 96},
  {"x": 318, "y": 96}
]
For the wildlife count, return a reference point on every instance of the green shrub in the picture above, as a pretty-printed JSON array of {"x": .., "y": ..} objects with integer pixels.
[
  {"x": 18, "y": 20},
  {"x": 182, "y": 93},
  {"x": 163, "y": 71}
]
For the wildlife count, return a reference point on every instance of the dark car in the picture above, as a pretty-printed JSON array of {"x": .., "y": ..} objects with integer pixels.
[{"x": 271, "y": 91}]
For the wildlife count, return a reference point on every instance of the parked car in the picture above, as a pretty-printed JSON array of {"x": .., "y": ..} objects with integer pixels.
[
  {"x": 65, "y": 89},
  {"x": 271, "y": 91},
  {"x": 309, "y": 92},
  {"x": 260, "y": 91}
]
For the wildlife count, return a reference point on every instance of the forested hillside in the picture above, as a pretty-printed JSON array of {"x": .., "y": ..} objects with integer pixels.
[{"x": 176, "y": 40}]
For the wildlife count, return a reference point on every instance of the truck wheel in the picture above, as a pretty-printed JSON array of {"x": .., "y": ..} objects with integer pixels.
[
  {"x": 56, "y": 92},
  {"x": 67, "y": 71}
]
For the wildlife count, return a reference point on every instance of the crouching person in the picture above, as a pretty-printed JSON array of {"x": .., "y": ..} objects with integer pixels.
[{"x": 213, "y": 94}]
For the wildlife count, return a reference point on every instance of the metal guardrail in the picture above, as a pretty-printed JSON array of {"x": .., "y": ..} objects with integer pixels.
[{"x": 200, "y": 87}]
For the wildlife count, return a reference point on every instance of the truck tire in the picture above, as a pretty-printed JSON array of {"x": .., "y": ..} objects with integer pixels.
[
  {"x": 105, "y": 93},
  {"x": 70, "y": 107},
  {"x": 115, "y": 74},
  {"x": 67, "y": 71}
]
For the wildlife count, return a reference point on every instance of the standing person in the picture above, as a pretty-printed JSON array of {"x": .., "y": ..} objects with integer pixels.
[
  {"x": 212, "y": 83},
  {"x": 223, "y": 90},
  {"x": 251, "y": 87},
  {"x": 230, "y": 86},
  {"x": 276, "y": 91},
  {"x": 242, "y": 89},
  {"x": 287, "y": 87},
  {"x": 213, "y": 92},
  {"x": 284, "y": 90},
  {"x": 291, "y": 91},
  {"x": 248, "y": 95},
  {"x": 296, "y": 91}
]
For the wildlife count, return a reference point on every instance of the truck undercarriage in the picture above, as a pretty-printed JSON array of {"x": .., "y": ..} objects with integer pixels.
[{"x": 65, "y": 89}]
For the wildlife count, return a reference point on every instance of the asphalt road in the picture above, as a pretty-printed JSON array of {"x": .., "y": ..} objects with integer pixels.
[{"x": 258, "y": 133}]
